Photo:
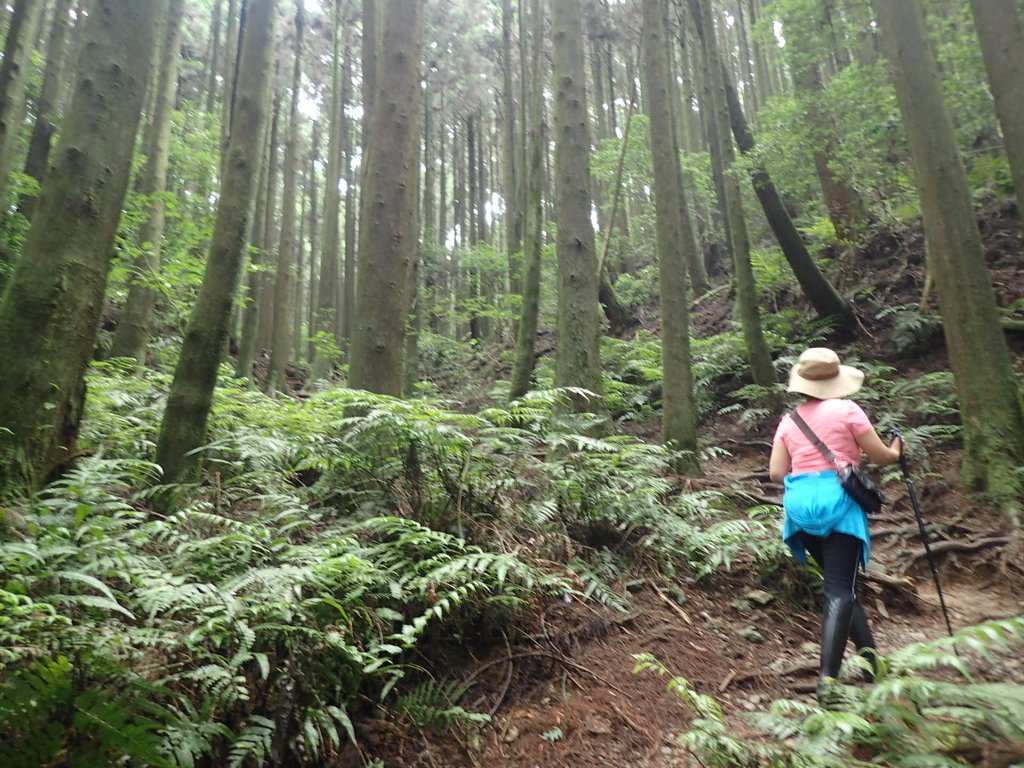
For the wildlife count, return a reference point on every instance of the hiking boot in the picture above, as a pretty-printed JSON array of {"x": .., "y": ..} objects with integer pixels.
[
  {"x": 835, "y": 631},
  {"x": 864, "y": 642}
]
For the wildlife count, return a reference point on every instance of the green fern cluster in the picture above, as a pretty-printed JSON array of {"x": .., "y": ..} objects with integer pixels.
[
  {"x": 927, "y": 709},
  {"x": 203, "y": 634},
  {"x": 245, "y": 622}
]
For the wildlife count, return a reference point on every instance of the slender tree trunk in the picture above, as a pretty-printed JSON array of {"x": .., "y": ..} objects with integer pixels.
[
  {"x": 991, "y": 410},
  {"x": 806, "y": 37},
  {"x": 758, "y": 355},
  {"x": 183, "y": 428},
  {"x": 387, "y": 248},
  {"x": 315, "y": 256},
  {"x": 133, "y": 330},
  {"x": 14, "y": 71},
  {"x": 326, "y": 313},
  {"x": 270, "y": 236},
  {"x": 251, "y": 309},
  {"x": 513, "y": 210},
  {"x": 578, "y": 357},
  {"x": 347, "y": 291},
  {"x": 287, "y": 255},
  {"x": 231, "y": 38},
  {"x": 526, "y": 337},
  {"x": 50, "y": 97},
  {"x": 1002, "y": 43},
  {"x": 56, "y": 292},
  {"x": 215, "y": 52},
  {"x": 674, "y": 237}
]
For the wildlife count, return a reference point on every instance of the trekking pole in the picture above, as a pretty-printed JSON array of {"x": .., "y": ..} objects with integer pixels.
[{"x": 924, "y": 533}]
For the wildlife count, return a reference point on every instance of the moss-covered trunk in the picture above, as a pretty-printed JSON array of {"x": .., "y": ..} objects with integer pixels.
[
  {"x": 990, "y": 400},
  {"x": 578, "y": 357},
  {"x": 50, "y": 311}
]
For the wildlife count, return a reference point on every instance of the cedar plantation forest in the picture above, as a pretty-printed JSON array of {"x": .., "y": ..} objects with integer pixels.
[{"x": 391, "y": 383}]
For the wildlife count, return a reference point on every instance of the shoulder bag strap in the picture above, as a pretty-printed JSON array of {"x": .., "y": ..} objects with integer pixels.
[{"x": 798, "y": 419}]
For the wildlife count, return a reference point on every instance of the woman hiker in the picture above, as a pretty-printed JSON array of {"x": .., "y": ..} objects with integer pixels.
[{"x": 821, "y": 518}]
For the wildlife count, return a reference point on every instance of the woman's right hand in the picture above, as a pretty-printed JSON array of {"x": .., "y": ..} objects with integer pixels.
[{"x": 898, "y": 446}]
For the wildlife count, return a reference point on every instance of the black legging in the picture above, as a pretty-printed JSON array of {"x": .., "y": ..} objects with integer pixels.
[{"x": 839, "y": 556}]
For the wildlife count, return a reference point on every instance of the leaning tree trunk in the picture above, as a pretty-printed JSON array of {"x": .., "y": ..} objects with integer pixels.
[
  {"x": 823, "y": 297},
  {"x": 132, "y": 333},
  {"x": 387, "y": 239},
  {"x": 991, "y": 410},
  {"x": 675, "y": 237},
  {"x": 1002, "y": 44},
  {"x": 183, "y": 428},
  {"x": 56, "y": 292},
  {"x": 578, "y": 357}
]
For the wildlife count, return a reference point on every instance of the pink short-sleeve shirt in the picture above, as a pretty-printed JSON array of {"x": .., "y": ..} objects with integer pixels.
[{"x": 836, "y": 422}]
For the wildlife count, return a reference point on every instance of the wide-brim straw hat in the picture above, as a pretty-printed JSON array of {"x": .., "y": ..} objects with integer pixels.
[{"x": 819, "y": 374}]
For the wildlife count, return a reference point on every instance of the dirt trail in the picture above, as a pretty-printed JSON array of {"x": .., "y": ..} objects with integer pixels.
[{"x": 567, "y": 695}]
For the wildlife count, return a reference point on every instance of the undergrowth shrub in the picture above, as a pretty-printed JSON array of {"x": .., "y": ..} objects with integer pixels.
[{"x": 252, "y": 620}]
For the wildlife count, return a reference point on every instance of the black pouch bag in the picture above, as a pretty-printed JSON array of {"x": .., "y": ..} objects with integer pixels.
[{"x": 861, "y": 489}]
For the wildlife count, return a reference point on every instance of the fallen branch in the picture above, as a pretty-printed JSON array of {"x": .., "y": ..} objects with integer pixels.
[{"x": 673, "y": 605}]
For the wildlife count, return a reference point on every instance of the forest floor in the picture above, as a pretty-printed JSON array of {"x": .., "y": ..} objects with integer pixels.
[{"x": 563, "y": 692}]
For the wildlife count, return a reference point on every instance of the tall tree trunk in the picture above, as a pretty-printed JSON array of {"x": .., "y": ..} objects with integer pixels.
[
  {"x": 284, "y": 284},
  {"x": 315, "y": 257},
  {"x": 215, "y": 53},
  {"x": 578, "y": 357},
  {"x": 387, "y": 247},
  {"x": 526, "y": 337},
  {"x": 183, "y": 428},
  {"x": 823, "y": 297},
  {"x": 347, "y": 298},
  {"x": 1002, "y": 43},
  {"x": 674, "y": 236},
  {"x": 513, "y": 211},
  {"x": 270, "y": 235},
  {"x": 56, "y": 292},
  {"x": 806, "y": 37},
  {"x": 231, "y": 39},
  {"x": 14, "y": 71},
  {"x": 472, "y": 209},
  {"x": 133, "y": 330},
  {"x": 50, "y": 96},
  {"x": 758, "y": 355},
  {"x": 991, "y": 410},
  {"x": 251, "y": 308}
]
